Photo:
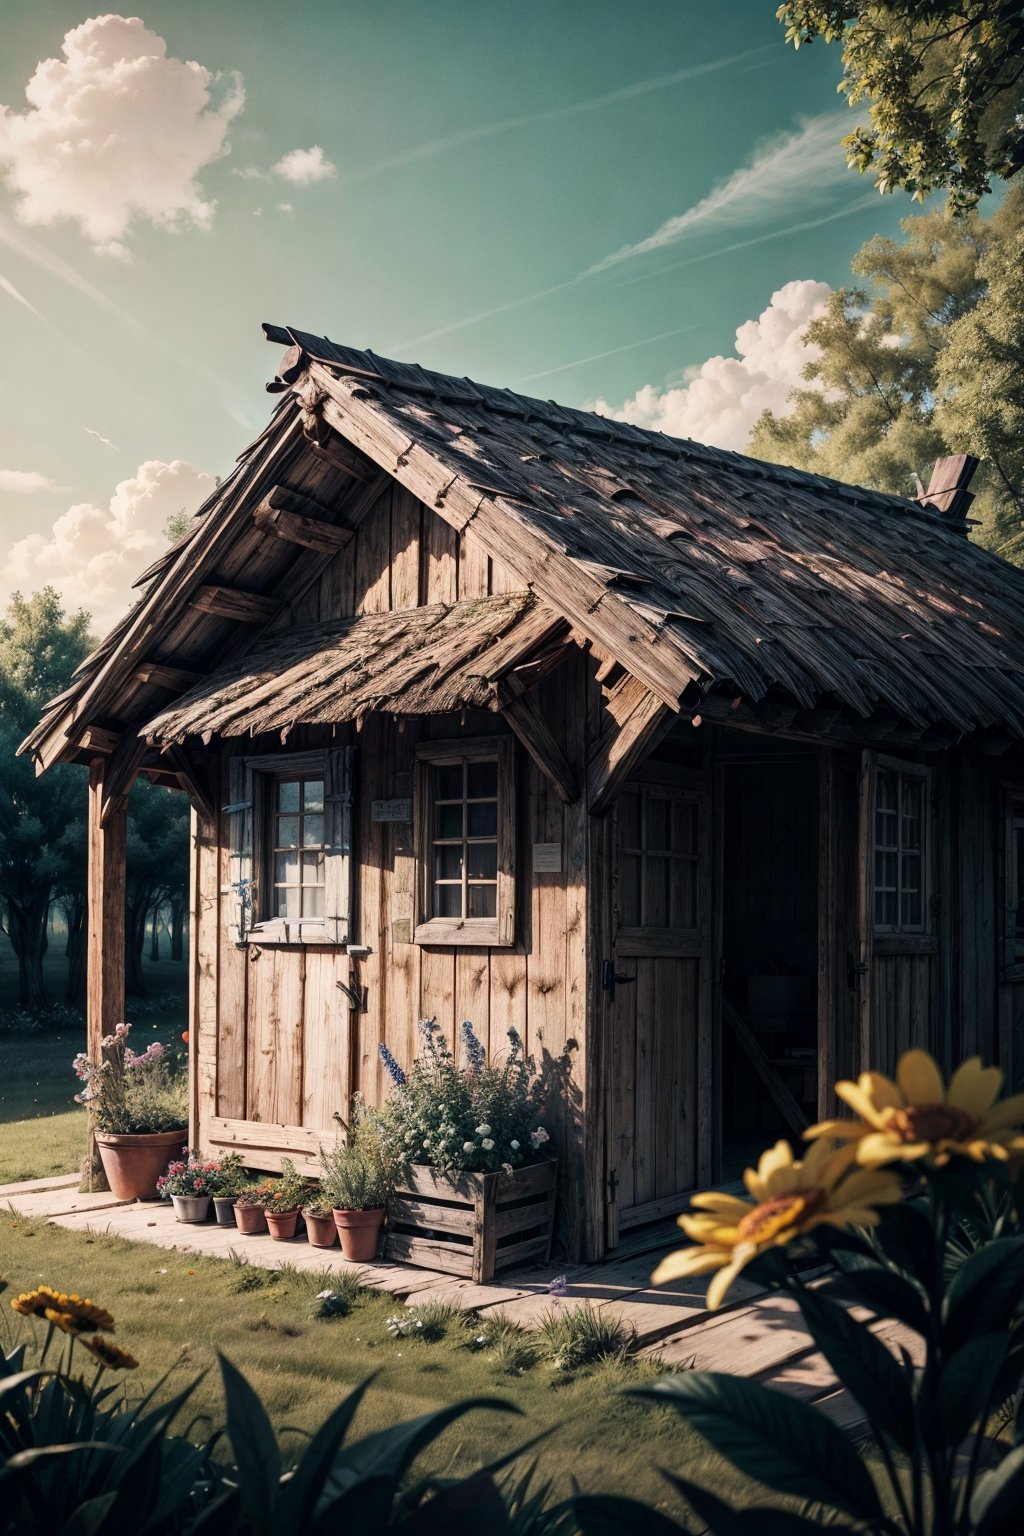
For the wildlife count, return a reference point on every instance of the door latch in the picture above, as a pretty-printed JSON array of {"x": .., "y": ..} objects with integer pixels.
[
  {"x": 356, "y": 996},
  {"x": 611, "y": 978}
]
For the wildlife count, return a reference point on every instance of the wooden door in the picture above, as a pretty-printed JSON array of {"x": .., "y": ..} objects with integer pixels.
[{"x": 657, "y": 996}]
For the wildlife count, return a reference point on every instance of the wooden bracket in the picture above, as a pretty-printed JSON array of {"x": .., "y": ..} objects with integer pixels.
[
  {"x": 97, "y": 741},
  {"x": 285, "y": 515},
  {"x": 641, "y": 721},
  {"x": 121, "y": 771},
  {"x": 194, "y": 782},
  {"x": 524, "y": 716},
  {"x": 229, "y": 603}
]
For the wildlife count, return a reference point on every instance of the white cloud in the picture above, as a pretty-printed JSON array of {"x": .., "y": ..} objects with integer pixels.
[
  {"x": 304, "y": 166},
  {"x": 93, "y": 554},
  {"x": 25, "y": 482},
  {"x": 719, "y": 402},
  {"x": 114, "y": 132},
  {"x": 787, "y": 173}
]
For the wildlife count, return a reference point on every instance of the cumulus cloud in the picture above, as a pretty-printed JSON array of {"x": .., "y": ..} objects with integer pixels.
[
  {"x": 92, "y": 554},
  {"x": 25, "y": 482},
  {"x": 304, "y": 166},
  {"x": 718, "y": 402},
  {"x": 115, "y": 132},
  {"x": 788, "y": 172}
]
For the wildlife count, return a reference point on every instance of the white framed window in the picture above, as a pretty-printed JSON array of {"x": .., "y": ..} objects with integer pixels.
[
  {"x": 901, "y": 848},
  {"x": 289, "y": 847},
  {"x": 465, "y": 842}
]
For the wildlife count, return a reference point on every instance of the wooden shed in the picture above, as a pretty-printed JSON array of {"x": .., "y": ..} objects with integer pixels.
[{"x": 490, "y": 709}]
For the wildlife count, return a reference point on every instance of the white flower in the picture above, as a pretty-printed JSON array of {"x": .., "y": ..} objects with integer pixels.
[
  {"x": 538, "y": 1137},
  {"x": 483, "y": 1130},
  {"x": 506, "y": 1167},
  {"x": 514, "y": 1145},
  {"x": 469, "y": 1146},
  {"x": 487, "y": 1144}
]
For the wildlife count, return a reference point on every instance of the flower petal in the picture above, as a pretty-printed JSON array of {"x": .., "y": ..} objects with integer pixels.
[
  {"x": 687, "y": 1261},
  {"x": 835, "y": 1130},
  {"x": 861, "y": 1097},
  {"x": 974, "y": 1088},
  {"x": 1008, "y": 1112},
  {"x": 725, "y": 1277},
  {"x": 730, "y": 1206},
  {"x": 919, "y": 1078}
]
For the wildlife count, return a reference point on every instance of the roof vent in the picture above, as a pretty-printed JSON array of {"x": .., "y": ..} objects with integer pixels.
[{"x": 947, "y": 491}]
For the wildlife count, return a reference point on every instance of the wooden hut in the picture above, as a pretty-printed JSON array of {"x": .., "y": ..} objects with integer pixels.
[{"x": 490, "y": 709}]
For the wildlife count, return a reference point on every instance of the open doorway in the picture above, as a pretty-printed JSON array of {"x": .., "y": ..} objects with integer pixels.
[{"x": 769, "y": 1057}]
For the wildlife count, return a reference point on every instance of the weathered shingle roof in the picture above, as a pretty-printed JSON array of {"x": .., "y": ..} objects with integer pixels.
[
  {"x": 414, "y": 662},
  {"x": 752, "y": 577}
]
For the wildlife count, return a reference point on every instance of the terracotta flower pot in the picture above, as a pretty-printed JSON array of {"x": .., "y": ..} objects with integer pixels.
[
  {"x": 191, "y": 1207},
  {"x": 322, "y": 1231},
  {"x": 250, "y": 1218},
  {"x": 282, "y": 1224},
  {"x": 360, "y": 1233},
  {"x": 224, "y": 1209},
  {"x": 133, "y": 1164}
]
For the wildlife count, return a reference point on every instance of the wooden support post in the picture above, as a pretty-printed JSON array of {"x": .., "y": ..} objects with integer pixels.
[{"x": 107, "y": 859}]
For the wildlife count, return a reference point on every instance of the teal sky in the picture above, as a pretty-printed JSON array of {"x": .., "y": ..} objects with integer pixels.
[{"x": 483, "y": 155}]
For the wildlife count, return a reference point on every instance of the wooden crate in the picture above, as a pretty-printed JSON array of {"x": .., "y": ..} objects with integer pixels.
[{"x": 472, "y": 1223}]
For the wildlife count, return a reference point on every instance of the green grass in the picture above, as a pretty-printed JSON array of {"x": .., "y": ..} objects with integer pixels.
[
  {"x": 42, "y": 1130},
  {"x": 167, "y": 1303}
]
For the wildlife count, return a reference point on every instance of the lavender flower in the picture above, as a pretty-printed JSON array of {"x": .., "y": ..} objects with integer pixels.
[
  {"x": 394, "y": 1070},
  {"x": 559, "y": 1286},
  {"x": 475, "y": 1053}
]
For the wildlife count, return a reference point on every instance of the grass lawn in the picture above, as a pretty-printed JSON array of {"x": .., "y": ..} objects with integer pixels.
[
  {"x": 164, "y": 1302},
  {"x": 42, "y": 1130}
]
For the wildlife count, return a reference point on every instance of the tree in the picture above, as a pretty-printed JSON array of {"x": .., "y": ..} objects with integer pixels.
[
  {"x": 897, "y": 378},
  {"x": 944, "y": 80},
  {"x": 40, "y": 646},
  {"x": 157, "y": 866}
]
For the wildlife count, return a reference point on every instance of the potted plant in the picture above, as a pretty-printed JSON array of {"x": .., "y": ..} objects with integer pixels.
[
  {"x": 231, "y": 1180},
  {"x": 285, "y": 1200},
  {"x": 251, "y": 1208},
  {"x": 189, "y": 1184},
  {"x": 358, "y": 1178},
  {"x": 477, "y": 1186},
  {"x": 139, "y": 1109},
  {"x": 321, "y": 1228}
]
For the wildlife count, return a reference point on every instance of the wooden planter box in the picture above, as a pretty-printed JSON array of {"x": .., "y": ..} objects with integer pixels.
[{"x": 472, "y": 1223}]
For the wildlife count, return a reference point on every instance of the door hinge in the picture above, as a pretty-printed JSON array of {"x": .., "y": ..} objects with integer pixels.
[
  {"x": 611, "y": 978},
  {"x": 613, "y": 1186}
]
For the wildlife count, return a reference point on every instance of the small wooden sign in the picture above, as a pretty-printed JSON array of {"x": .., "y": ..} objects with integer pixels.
[
  {"x": 547, "y": 858},
  {"x": 391, "y": 810}
]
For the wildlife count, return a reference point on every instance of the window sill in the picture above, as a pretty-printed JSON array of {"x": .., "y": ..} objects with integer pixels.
[
  {"x": 478, "y": 932},
  {"x": 889, "y": 943},
  {"x": 295, "y": 935}
]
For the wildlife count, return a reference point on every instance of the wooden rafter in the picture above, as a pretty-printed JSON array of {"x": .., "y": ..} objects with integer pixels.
[
  {"x": 316, "y": 533},
  {"x": 194, "y": 781},
  {"x": 641, "y": 719},
  {"x": 230, "y": 603},
  {"x": 161, "y": 675},
  {"x": 523, "y": 715},
  {"x": 121, "y": 771},
  {"x": 95, "y": 739}
]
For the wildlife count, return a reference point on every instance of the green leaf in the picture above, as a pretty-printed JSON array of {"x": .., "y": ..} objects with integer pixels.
[
  {"x": 88, "y": 1517},
  {"x": 863, "y": 1365},
  {"x": 390, "y": 1452},
  {"x": 887, "y": 1293},
  {"x": 965, "y": 1387},
  {"x": 906, "y": 1236},
  {"x": 300, "y": 1495},
  {"x": 472, "y": 1507},
  {"x": 760, "y": 1520},
  {"x": 775, "y": 1439},
  {"x": 609, "y": 1514},
  {"x": 999, "y": 1492},
  {"x": 985, "y": 1291},
  {"x": 255, "y": 1446}
]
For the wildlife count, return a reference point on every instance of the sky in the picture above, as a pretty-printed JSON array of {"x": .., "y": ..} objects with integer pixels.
[{"x": 634, "y": 208}]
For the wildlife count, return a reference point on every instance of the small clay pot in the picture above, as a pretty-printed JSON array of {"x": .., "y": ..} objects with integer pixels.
[
  {"x": 282, "y": 1224},
  {"x": 360, "y": 1233},
  {"x": 191, "y": 1207},
  {"x": 322, "y": 1231},
  {"x": 224, "y": 1208},
  {"x": 250, "y": 1218}
]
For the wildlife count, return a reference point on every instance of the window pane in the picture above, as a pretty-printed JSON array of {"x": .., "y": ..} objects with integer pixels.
[
  {"x": 885, "y": 909},
  {"x": 448, "y": 862},
  {"x": 288, "y": 795},
  {"x": 483, "y": 901},
  {"x": 312, "y": 869},
  {"x": 287, "y": 833},
  {"x": 482, "y": 861},
  {"x": 885, "y": 871},
  {"x": 312, "y": 831},
  {"x": 448, "y": 820},
  {"x": 656, "y": 823},
  {"x": 481, "y": 779},
  {"x": 885, "y": 792},
  {"x": 629, "y": 821},
  {"x": 286, "y": 868},
  {"x": 448, "y": 782},
  {"x": 656, "y": 883},
  {"x": 482, "y": 819},
  {"x": 684, "y": 894},
  {"x": 313, "y": 795},
  {"x": 910, "y": 913},
  {"x": 629, "y": 890},
  {"x": 447, "y": 900},
  {"x": 313, "y": 901},
  {"x": 684, "y": 827},
  {"x": 286, "y": 901}
]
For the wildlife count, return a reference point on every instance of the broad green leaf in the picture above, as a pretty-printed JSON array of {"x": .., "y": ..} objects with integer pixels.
[
  {"x": 965, "y": 1387},
  {"x": 999, "y": 1492},
  {"x": 864, "y": 1366},
  {"x": 749, "y": 1520},
  {"x": 390, "y": 1452},
  {"x": 471, "y": 1507},
  {"x": 906, "y": 1236},
  {"x": 300, "y": 1495},
  {"x": 609, "y": 1514},
  {"x": 88, "y": 1517},
  {"x": 255, "y": 1447},
  {"x": 887, "y": 1293},
  {"x": 773, "y": 1438},
  {"x": 985, "y": 1291}
]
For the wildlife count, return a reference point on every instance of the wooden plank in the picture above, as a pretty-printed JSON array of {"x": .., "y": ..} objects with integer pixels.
[
  {"x": 439, "y": 572},
  {"x": 484, "y": 1235},
  {"x": 105, "y": 951},
  {"x": 233, "y": 964},
  {"x": 263, "y": 1135},
  {"x": 407, "y": 516},
  {"x": 96, "y": 740},
  {"x": 325, "y": 538},
  {"x": 230, "y": 603},
  {"x": 160, "y": 674},
  {"x": 326, "y": 1055},
  {"x": 407, "y": 1211},
  {"x": 457, "y": 1259},
  {"x": 784, "y": 1101},
  {"x": 621, "y": 748},
  {"x": 373, "y": 557},
  {"x": 473, "y": 568}
]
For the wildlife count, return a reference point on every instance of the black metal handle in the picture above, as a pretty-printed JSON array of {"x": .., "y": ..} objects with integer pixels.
[{"x": 610, "y": 978}]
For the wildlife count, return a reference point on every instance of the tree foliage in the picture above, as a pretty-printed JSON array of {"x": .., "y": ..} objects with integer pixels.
[
  {"x": 944, "y": 80},
  {"x": 905, "y": 365}
]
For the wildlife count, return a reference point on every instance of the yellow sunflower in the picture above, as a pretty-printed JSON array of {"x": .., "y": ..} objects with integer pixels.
[
  {"x": 109, "y": 1354},
  {"x": 917, "y": 1116},
  {"x": 71, "y": 1313},
  {"x": 35, "y": 1303},
  {"x": 790, "y": 1198}
]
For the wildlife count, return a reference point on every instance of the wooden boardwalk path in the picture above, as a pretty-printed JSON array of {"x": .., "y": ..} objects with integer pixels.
[{"x": 759, "y": 1335}]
